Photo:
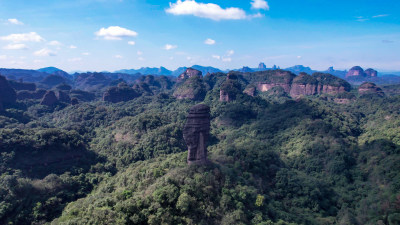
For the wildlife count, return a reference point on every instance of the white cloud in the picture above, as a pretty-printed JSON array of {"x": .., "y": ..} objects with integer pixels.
[
  {"x": 15, "y": 22},
  {"x": 131, "y": 43},
  {"x": 170, "y": 47},
  {"x": 15, "y": 46},
  {"x": 226, "y": 59},
  {"x": 72, "y": 47},
  {"x": 382, "y": 15},
  {"x": 75, "y": 59},
  {"x": 139, "y": 53},
  {"x": 257, "y": 15},
  {"x": 115, "y": 33},
  {"x": 54, "y": 43},
  {"x": 32, "y": 36},
  {"x": 209, "y": 41},
  {"x": 45, "y": 52},
  {"x": 259, "y": 4},
  {"x": 86, "y": 53},
  {"x": 230, "y": 53},
  {"x": 118, "y": 56},
  {"x": 209, "y": 10},
  {"x": 216, "y": 57},
  {"x": 3, "y": 57}
]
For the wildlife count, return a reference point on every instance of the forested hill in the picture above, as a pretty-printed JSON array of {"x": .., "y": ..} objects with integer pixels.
[{"x": 283, "y": 149}]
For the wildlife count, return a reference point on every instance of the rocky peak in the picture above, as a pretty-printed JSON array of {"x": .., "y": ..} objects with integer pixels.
[
  {"x": 190, "y": 72},
  {"x": 196, "y": 133},
  {"x": 371, "y": 72},
  {"x": 49, "y": 99},
  {"x": 262, "y": 66},
  {"x": 122, "y": 93},
  {"x": 229, "y": 89},
  {"x": 368, "y": 88},
  {"x": 193, "y": 88},
  {"x": 250, "y": 90},
  {"x": 63, "y": 96},
  {"x": 355, "y": 71},
  {"x": 304, "y": 84}
]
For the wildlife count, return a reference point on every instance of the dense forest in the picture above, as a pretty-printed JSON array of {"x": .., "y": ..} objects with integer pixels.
[{"x": 276, "y": 156}]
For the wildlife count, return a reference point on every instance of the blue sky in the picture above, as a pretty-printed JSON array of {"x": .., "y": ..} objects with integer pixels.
[{"x": 123, "y": 34}]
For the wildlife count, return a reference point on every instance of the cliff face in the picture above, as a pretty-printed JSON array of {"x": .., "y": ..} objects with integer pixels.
[
  {"x": 301, "y": 85},
  {"x": 189, "y": 73},
  {"x": 229, "y": 89},
  {"x": 193, "y": 88},
  {"x": 122, "y": 93},
  {"x": 49, "y": 99},
  {"x": 355, "y": 71},
  {"x": 196, "y": 132},
  {"x": 329, "y": 84},
  {"x": 368, "y": 88},
  {"x": 277, "y": 78},
  {"x": 250, "y": 90},
  {"x": 371, "y": 72}
]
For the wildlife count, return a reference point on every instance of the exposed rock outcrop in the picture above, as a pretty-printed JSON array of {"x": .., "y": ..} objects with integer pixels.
[
  {"x": 371, "y": 72},
  {"x": 196, "y": 133},
  {"x": 273, "y": 79},
  {"x": 303, "y": 85},
  {"x": 49, "y": 99},
  {"x": 355, "y": 72},
  {"x": 262, "y": 66},
  {"x": 190, "y": 72},
  {"x": 329, "y": 84},
  {"x": 230, "y": 89},
  {"x": 7, "y": 93},
  {"x": 122, "y": 93},
  {"x": 193, "y": 88},
  {"x": 368, "y": 88},
  {"x": 63, "y": 96},
  {"x": 250, "y": 90}
]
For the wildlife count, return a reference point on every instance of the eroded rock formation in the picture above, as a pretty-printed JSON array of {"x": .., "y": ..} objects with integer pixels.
[
  {"x": 368, "y": 88},
  {"x": 193, "y": 88},
  {"x": 49, "y": 99},
  {"x": 196, "y": 133},
  {"x": 303, "y": 84},
  {"x": 229, "y": 89},
  {"x": 371, "y": 72},
  {"x": 250, "y": 90},
  {"x": 63, "y": 96},
  {"x": 122, "y": 93},
  {"x": 190, "y": 72},
  {"x": 355, "y": 72}
]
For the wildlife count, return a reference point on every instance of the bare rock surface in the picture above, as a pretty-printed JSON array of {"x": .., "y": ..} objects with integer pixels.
[{"x": 196, "y": 133}]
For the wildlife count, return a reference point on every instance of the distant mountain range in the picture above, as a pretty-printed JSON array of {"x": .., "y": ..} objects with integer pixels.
[{"x": 40, "y": 74}]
